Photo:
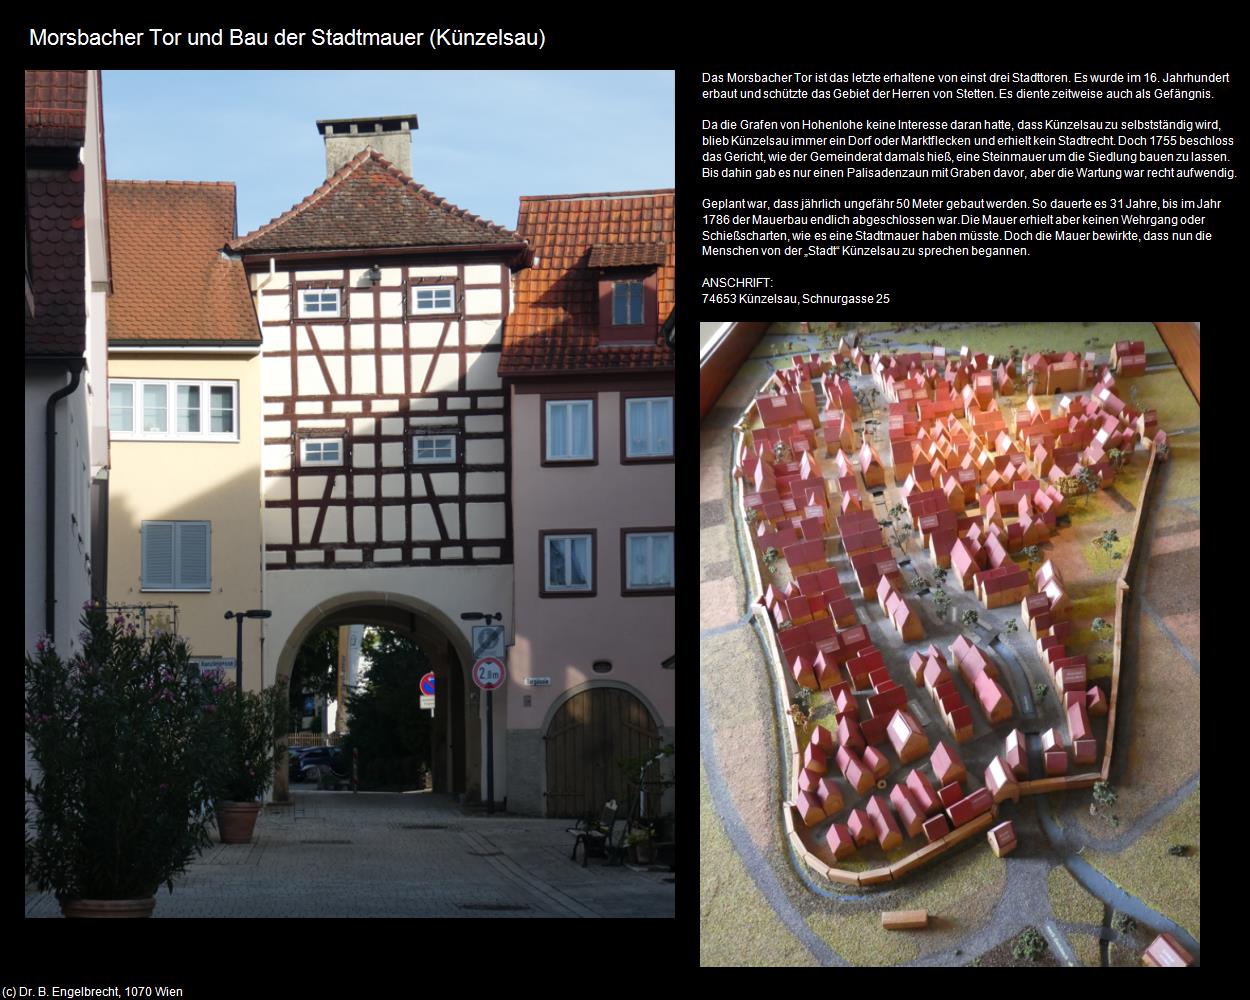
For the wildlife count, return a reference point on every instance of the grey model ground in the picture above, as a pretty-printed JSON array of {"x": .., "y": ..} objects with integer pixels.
[
  {"x": 740, "y": 706},
  {"x": 378, "y": 854}
]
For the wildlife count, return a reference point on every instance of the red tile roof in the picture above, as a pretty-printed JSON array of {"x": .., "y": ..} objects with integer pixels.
[
  {"x": 627, "y": 254},
  {"x": 554, "y": 325},
  {"x": 56, "y": 115},
  {"x": 58, "y": 262},
  {"x": 56, "y": 107},
  {"x": 166, "y": 243},
  {"x": 369, "y": 203}
]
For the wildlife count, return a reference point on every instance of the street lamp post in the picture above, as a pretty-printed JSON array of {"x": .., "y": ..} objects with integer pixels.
[
  {"x": 476, "y": 616},
  {"x": 238, "y": 617}
]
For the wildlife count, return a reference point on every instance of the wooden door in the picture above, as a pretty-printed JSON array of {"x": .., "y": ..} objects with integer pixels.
[{"x": 589, "y": 735}]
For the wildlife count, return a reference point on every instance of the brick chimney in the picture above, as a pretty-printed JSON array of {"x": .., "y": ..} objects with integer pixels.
[{"x": 391, "y": 136}]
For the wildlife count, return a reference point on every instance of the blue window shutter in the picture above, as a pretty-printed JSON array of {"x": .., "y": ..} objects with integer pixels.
[
  {"x": 158, "y": 554},
  {"x": 193, "y": 551}
]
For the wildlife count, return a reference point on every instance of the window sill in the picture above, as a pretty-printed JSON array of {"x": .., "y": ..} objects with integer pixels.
[
  {"x": 649, "y": 592},
  {"x": 647, "y": 459},
  {"x": 175, "y": 590},
  {"x": 184, "y": 438},
  {"x": 566, "y": 593}
]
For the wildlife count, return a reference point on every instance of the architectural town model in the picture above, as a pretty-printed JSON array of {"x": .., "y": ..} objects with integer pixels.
[{"x": 946, "y": 548}]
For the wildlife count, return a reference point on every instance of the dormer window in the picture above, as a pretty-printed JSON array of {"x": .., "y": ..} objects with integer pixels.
[{"x": 627, "y": 290}]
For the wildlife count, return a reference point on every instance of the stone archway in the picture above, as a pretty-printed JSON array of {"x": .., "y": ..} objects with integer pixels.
[
  {"x": 456, "y": 765},
  {"x": 585, "y": 733}
]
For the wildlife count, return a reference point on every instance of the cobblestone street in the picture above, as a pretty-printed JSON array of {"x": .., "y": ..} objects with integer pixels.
[{"x": 379, "y": 854}]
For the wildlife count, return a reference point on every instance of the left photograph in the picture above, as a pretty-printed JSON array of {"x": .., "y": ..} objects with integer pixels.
[{"x": 349, "y": 494}]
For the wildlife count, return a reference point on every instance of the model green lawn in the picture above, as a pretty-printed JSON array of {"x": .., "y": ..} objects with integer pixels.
[
  {"x": 737, "y": 925},
  {"x": 959, "y": 894},
  {"x": 1162, "y": 881},
  {"x": 1069, "y": 901}
]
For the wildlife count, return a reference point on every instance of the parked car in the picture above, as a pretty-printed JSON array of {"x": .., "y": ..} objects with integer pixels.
[
  {"x": 293, "y": 763},
  {"x": 314, "y": 758}
]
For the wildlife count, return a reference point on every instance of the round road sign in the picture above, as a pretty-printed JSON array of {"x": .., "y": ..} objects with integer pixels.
[
  {"x": 427, "y": 683},
  {"x": 488, "y": 673}
]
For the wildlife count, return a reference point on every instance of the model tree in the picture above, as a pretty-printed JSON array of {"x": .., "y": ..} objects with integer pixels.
[
  {"x": 1104, "y": 797},
  {"x": 969, "y": 619},
  {"x": 1032, "y": 554},
  {"x": 1010, "y": 626},
  {"x": 1104, "y": 631}
]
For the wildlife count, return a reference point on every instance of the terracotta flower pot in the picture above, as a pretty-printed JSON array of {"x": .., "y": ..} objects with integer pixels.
[
  {"x": 236, "y": 820},
  {"x": 108, "y": 907}
]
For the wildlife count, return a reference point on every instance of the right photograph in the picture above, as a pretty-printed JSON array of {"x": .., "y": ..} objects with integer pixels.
[{"x": 949, "y": 644}]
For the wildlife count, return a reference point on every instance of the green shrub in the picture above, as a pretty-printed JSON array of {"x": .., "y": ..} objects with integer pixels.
[{"x": 1030, "y": 945}]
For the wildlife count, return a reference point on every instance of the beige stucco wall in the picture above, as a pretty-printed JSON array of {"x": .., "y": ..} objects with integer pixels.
[
  {"x": 194, "y": 481},
  {"x": 301, "y": 598},
  {"x": 561, "y": 637}
]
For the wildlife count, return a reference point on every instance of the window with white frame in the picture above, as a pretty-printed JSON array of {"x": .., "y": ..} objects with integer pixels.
[
  {"x": 570, "y": 430},
  {"x": 173, "y": 410},
  {"x": 649, "y": 427},
  {"x": 176, "y": 555},
  {"x": 568, "y": 563},
  {"x": 433, "y": 299},
  {"x": 649, "y": 560},
  {"x": 315, "y": 302},
  {"x": 321, "y": 451},
  {"x": 121, "y": 407},
  {"x": 433, "y": 449}
]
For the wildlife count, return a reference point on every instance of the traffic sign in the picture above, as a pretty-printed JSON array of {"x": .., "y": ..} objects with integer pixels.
[
  {"x": 488, "y": 640},
  {"x": 427, "y": 684},
  {"x": 488, "y": 673}
]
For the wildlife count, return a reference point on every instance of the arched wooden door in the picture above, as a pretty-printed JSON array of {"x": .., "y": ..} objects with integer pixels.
[{"x": 589, "y": 734}]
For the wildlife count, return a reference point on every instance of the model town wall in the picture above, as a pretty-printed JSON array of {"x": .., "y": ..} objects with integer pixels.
[{"x": 792, "y": 817}]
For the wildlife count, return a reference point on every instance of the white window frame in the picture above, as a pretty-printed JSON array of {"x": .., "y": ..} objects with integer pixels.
[
  {"x": 306, "y": 313},
  {"x": 304, "y": 458},
  {"x": 417, "y": 310},
  {"x": 449, "y": 460},
  {"x": 566, "y": 540},
  {"x": 566, "y": 406},
  {"x": 171, "y": 410},
  {"x": 648, "y": 400},
  {"x": 629, "y": 562},
  {"x": 133, "y": 408},
  {"x": 148, "y": 586}
]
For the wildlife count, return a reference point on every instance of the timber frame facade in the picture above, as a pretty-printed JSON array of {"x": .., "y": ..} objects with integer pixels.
[{"x": 377, "y": 377}]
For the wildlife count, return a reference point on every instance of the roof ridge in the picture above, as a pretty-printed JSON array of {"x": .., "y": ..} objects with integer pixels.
[
  {"x": 116, "y": 180},
  {"x": 596, "y": 194}
]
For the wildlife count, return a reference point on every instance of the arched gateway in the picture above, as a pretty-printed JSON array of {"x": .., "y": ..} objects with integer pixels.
[{"x": 457, "y": 757}]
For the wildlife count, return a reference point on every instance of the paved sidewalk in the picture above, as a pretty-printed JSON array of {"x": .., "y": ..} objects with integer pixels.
[{"x": 380, "y": 854}]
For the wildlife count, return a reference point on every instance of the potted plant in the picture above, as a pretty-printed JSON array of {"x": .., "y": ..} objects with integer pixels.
[
  {"x": 244, "y": 756},
  {"x": 119, "y": 735},
  {"x": 641, "y": 848}
]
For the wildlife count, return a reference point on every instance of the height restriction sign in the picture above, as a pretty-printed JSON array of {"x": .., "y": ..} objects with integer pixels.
[{"x": 488, "y": 673}]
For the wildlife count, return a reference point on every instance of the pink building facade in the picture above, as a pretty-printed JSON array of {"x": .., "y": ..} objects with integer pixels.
[{"x": 589, "y": 378}]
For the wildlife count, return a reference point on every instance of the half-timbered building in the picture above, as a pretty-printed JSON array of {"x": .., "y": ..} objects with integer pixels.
[{"x": 385, "y": 448}]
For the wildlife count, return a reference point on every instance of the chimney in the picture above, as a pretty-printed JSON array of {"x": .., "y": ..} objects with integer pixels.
[{"x": 391, "y": 136}]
